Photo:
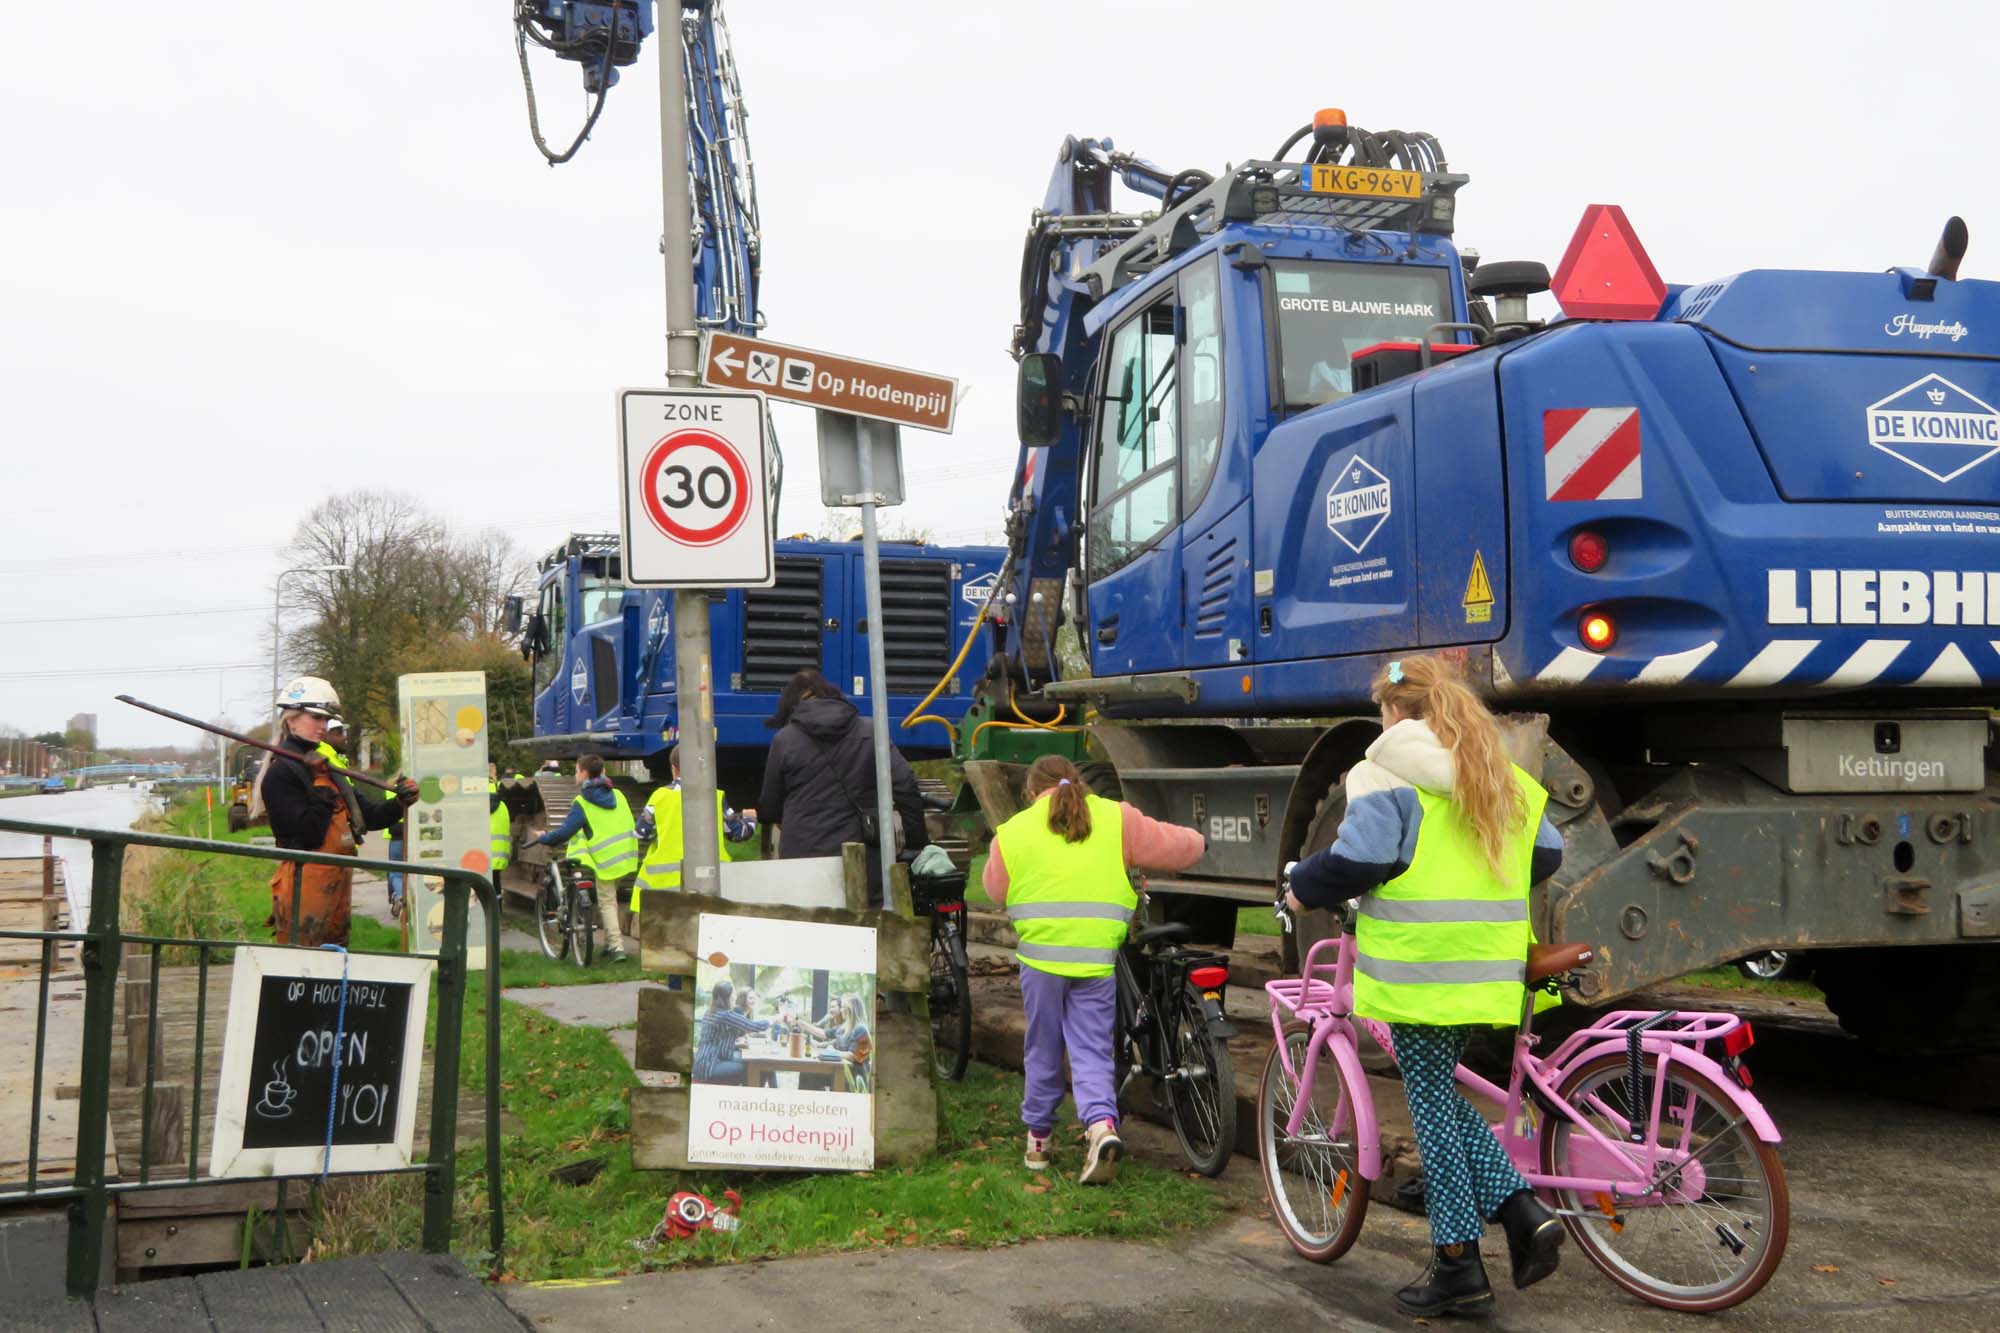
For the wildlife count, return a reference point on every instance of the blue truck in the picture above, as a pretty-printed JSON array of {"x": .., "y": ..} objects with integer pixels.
[
  {"x": 603, "y": 653},
  {"x": 1728, "y": 554}
]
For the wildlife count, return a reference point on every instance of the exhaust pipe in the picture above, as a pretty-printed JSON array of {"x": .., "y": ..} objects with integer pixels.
[{"x": 1950, "y": 250}]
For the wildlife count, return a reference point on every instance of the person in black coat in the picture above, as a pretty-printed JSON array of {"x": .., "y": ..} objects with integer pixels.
[{"x": 820, "y": 776}]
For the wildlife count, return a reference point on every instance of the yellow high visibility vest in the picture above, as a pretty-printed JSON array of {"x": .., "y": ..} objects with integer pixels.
[
  {"x": 499, "y": 833},
  {"x": 662, "y": 869},
  {"x": 608, "y": 842},
  {"x": 1070, "y": 902},
  {"x": 1445, "y": 943}
]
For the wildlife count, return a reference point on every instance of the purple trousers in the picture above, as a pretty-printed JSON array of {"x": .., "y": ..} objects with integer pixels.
[{"x": 1074, "y": 1015}]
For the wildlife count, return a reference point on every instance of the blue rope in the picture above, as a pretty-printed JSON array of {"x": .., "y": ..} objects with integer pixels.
[{"x": 339, "y": 1036}]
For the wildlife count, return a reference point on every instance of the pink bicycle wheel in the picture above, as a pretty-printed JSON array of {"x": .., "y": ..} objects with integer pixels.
[{"x": 1312, "y": 1178}]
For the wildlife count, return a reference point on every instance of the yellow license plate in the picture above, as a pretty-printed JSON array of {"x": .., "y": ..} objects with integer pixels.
[{"x": 1373, "y": 182}]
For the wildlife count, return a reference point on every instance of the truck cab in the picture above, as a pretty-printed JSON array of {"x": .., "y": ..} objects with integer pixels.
[{"x": 1202, "y": 435}]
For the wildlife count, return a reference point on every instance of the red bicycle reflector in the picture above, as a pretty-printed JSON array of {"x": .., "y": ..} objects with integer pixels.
[
  {"x": 1739, "y": 1040},
  {"x": 1588, "y": 552},
  {"x": 1605, "y": 273},
  {"x": 1208, "y": 978}
]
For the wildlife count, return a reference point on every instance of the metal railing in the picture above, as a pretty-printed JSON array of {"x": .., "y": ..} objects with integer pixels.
[{"x": 103, "y": 943}]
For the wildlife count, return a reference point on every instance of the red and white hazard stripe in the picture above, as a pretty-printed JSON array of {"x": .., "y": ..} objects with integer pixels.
[{"x": 1591, "y": 453}]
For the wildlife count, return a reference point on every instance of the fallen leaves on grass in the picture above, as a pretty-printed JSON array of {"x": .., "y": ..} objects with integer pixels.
[{"x": 1826, "y": 1268}]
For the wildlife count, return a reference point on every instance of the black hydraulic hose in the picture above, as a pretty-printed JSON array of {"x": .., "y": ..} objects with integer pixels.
[
  {"x": 1292, "y": 142},
  {"x": 1194, "y": 178}
]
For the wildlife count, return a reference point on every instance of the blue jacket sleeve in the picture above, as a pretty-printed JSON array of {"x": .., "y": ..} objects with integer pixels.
[
  {"x": 1548, "y": 857},
  {"x": 570, "y": 825},
  {"x": 1377, "y": 837}
]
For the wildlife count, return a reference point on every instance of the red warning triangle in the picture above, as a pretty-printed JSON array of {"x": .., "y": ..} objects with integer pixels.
[{"x": 1605, "y": 273}]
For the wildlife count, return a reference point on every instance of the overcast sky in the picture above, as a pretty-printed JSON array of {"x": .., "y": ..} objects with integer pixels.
[{"x": 256, "y": 253}]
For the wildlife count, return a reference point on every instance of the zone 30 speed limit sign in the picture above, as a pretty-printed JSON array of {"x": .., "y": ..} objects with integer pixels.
[{"x": 695, "y": 490}]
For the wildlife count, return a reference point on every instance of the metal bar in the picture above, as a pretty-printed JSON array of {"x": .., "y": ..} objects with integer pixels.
[
  {"x": 152, "y": 1046},
  {"x": 694, "y": 665},
  {"x": 200, "y": 1034},
  {"x": 41, "y": 1047},
  {"x": 878, "y": 685},
  {"x": 496, "y": 1212},
  {"x": 298, "y": 893},
  {"x": 441, "y": 1185},
  {"x": 173, "y": 842},
  {"x": 100, "y": 980}
]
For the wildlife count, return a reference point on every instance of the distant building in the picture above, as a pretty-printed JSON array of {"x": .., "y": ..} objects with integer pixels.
[{"x": 87, "y": 724}]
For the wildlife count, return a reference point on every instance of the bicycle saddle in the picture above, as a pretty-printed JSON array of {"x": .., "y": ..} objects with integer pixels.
[
  {"x": 1549, "y": 960},
  {"x": 1172, "y": 930}
]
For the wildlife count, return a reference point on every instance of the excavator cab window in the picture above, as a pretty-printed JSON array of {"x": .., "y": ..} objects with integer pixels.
[
  {"x": 1201, "y": 369},
  {"x": 551, "y": 615},
  {"x": 1135, "y": 477},
  {"x": 1329, "y": 311}
]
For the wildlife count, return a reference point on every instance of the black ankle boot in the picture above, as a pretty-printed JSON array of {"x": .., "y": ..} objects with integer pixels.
[
  {"x": 1534, "y": 1237},
  {"x": 1454, "y": 1282}
]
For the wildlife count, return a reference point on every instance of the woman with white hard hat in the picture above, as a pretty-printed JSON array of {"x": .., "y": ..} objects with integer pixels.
[{"x": 313, "y": 809}]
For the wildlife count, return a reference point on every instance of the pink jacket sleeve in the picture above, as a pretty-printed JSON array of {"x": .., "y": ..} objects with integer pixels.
[
  {"x": 1151, "y": 844},
  {"x": 994, "y": 877}
]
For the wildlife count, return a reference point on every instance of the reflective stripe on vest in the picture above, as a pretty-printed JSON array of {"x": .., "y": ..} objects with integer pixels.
[
  {"x": 1067, "y": 953},
  {"x": 1070, "y": 901},
  {"x": 1445, "y": 943},
  {"x": 1067, "y": 912},
  {"x": 608, "y": 842}
]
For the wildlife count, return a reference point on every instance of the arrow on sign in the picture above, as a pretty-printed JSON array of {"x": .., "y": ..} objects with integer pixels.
[{"x": 726, "y": 361}]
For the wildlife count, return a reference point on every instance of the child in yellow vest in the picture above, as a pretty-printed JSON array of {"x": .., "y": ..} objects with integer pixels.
[
  {"x": 1060, "y": 867},
  {"x": 1441, "y": 839}
]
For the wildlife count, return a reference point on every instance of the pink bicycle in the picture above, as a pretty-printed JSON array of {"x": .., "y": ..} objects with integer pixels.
[{"x": 1656, "y": 1156}]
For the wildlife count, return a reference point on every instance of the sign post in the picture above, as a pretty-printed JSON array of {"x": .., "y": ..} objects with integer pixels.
[
  {"x": 694, "y": 664},
  {"x": 870, "y": 442}
]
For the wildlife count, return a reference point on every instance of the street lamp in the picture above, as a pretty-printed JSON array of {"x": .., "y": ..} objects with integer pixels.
[{"x": 275, "y": 590}]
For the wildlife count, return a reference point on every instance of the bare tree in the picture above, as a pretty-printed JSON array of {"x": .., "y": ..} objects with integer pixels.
[{"x": 410, "y": 591}]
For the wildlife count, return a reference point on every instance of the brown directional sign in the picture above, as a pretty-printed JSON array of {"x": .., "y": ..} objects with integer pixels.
[{"x": 829, "y": 382}]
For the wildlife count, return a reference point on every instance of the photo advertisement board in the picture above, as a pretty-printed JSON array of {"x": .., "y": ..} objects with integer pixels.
[
  {"x": 445, "y": 732},
  {"x": 785, "y": 1058}
]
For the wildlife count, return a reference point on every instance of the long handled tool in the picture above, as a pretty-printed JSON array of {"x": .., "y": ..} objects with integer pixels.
[{"x": 240, "y": 738}]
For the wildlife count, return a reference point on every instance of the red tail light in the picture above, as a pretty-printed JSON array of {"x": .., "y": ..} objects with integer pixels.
[
  {"x": 1739, "y": 1040},
  {"x": 1209, "y": 978},
  {"x": 1588, "y": 551}
]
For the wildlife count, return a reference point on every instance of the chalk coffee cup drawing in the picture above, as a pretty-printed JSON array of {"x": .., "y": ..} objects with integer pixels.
[{"x": 279, "y": 1094}]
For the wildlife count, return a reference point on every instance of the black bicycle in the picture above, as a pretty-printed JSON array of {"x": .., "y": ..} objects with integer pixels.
[
  {"x": 566, "y": 911},
  {"x": 942, "y": 898},
  {"x": 1173, "y": 1029}
]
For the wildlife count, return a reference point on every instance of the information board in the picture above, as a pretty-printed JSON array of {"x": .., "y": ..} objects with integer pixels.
[
  {"x": 444, "y": 748},
  {"x": 288, "y": 1029}
]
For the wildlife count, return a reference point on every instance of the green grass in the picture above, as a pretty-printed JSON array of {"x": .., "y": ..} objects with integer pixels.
[
  {"x": 1727, "y": 977},
  {"x": 568, "y": 1087},
  {"x": 518, "y": 967}
]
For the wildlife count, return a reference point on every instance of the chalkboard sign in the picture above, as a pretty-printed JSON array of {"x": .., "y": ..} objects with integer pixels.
[{"x": 285, "y": 1029}]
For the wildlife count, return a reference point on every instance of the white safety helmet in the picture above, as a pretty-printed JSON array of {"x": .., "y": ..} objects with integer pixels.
[
  {"x": 309, "y": 694},
  {"x": 333, "y": 724}
]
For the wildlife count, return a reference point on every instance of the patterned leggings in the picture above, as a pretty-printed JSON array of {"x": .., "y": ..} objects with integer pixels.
[{"x": 1466, "y": 1173}]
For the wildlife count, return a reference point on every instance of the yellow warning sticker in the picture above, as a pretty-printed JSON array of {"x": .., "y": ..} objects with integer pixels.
[{"x": 1478, "y": 599}]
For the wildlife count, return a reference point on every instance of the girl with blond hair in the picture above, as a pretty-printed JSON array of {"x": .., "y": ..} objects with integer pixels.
[{"x": 1440, "y": 841}]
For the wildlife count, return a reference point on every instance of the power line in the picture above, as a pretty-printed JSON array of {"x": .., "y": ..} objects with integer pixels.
[
  {"x": 134, "y": 615},
  {"x": 81, "y": 672}
]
